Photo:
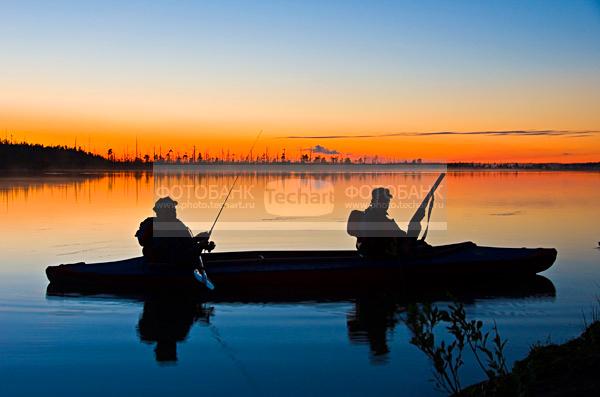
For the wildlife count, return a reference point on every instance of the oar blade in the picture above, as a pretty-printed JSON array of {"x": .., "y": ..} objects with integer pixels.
[{"x": 203, "y": 279}]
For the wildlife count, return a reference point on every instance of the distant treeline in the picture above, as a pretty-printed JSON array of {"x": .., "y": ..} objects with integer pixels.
[
  {"x": 527, "y": 166},
  {"x": 27, "y": 156}
]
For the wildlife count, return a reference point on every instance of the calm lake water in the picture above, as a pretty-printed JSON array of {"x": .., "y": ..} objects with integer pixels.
[{"x": 107, "y": 345}]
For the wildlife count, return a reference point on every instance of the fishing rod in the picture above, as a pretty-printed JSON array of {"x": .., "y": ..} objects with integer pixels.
[
  {"x": 231, "y": 188},
  {"x": 200, "y": 274}
]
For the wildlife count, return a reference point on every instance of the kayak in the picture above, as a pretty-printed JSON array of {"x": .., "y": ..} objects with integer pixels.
[{"x": 259, "y": 270}]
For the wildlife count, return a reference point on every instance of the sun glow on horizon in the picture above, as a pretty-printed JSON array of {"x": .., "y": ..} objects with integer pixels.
[{"x": 109, "y": 75}]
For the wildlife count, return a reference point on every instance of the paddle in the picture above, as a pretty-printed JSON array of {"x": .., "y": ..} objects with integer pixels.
[
  {"x": 201, "y": 276},
  {"x": 414, "y": 226}
]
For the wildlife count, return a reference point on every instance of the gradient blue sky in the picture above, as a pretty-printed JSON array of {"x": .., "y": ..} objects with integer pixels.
[{"x": 228, "y": 68}]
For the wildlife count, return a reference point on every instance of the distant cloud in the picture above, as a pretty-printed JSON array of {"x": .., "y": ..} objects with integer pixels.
[
  {"x": 323, "y": 150},
  {"x": 512, "y": 132},
  {"x": 510, "y": 213},
  {"x": 569, "y": 133}
]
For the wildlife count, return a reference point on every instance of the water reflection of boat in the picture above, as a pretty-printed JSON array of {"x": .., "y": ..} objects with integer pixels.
[
  {"x": 167, "y": 319},
  {"x": 370, "y": 321}
]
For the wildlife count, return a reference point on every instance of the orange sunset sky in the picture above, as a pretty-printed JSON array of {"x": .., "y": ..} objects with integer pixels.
[{"x": 456, "y": 81}]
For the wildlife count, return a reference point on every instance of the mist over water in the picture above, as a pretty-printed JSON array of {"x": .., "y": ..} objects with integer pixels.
[{"x": 354, "y": 345}]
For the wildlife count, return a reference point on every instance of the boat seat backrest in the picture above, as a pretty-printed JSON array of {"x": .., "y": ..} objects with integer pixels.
[{"x": 355, "y": 223}]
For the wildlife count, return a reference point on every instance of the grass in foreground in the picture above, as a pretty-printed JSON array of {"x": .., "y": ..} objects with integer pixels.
[{"x": 568, "y": 369}]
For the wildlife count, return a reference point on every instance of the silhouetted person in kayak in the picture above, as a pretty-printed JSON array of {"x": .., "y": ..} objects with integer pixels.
[
  {"x": 379, "y": 236},
  {"x": 165, "y": 239},
  {"x": 376, "y": 234}
]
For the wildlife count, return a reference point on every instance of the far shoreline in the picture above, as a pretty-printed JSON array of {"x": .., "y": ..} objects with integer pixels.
[
  {"x": 29, "y": 159},
  {"x": 292, "y": 169}
]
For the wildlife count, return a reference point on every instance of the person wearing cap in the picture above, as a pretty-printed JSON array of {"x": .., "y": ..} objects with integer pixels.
[
  {"x": 377, "y": 235},
  {"x": 166, "y": 239}
]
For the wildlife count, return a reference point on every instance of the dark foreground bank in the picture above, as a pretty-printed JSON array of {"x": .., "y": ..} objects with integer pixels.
[{"x": 569, "y": 369}]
